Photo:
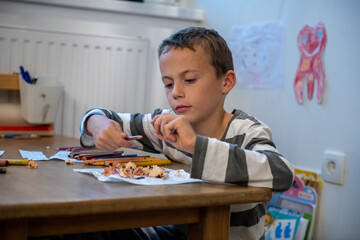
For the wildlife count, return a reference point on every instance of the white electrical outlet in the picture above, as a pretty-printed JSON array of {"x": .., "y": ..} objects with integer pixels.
[{"x": 333, "y": 167}]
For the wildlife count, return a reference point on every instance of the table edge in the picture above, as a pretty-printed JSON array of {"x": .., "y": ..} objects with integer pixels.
[{"x": 78, "y": 208}]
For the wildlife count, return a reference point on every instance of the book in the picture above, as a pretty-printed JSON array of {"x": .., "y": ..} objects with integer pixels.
[
  {"x": 300, "y": 198},
  {"x": 281, "y": 223}
]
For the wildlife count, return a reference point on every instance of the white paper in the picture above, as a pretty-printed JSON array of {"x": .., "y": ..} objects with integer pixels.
[
  {"x": 172, "y": 178},
  {"x": 259, "y": 54},
  {"x": 33, "y": 155},
  {"x": 63, "y": 155},
  {"x": 1, "y": 152}
]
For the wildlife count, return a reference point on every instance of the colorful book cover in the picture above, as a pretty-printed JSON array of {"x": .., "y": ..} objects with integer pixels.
[
  {"x": 281, "y": 223},
  {"x": 299, "y": 198}
]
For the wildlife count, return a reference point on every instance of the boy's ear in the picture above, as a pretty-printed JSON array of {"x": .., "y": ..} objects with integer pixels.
[{"x": 229, "y": 81}]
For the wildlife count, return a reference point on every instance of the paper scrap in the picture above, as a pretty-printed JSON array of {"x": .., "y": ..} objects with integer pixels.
[
  {"x": 1, "y": 152},
  {"x": 33, "y": 155},
  {"x": 184, "y": 177},
  {"x": 63, "y": 155}
]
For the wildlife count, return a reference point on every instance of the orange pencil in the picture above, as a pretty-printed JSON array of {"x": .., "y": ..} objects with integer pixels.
[{"x": 136, "y": 137}]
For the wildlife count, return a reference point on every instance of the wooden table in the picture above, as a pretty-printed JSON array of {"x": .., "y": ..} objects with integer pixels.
[{"x": 53, "y": 199}]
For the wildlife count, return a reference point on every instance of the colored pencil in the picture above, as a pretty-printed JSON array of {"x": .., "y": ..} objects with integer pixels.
[
  {"x": 100, "y": 155},
  {"x": 122, "y": 156},
  {"x": 136, "y": 137},
  {"x": 141, "y": 159},
  {"x": 94, "y": 153},
  {"x": 3, "y": 169},
  {"x": 6, "y": 162},
  {"x": 70, "y": 148},
  {"x": 125, "y": 159},
  {"x": 157, "y": 161}
]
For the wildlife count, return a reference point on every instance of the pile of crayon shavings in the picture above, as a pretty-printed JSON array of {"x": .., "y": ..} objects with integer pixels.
[
  {"x": 137, "y": 172},
  {"x": 31, "y": 164}
]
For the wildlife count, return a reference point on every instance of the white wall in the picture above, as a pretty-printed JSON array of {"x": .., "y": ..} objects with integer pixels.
[{"x": 303, "y": 132}]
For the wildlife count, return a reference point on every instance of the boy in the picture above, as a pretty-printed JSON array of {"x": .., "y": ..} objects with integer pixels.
[{"x": 197, "y": 71}]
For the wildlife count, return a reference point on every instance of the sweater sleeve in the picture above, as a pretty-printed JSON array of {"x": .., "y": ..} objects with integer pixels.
[{"x": 247, "y": 157}]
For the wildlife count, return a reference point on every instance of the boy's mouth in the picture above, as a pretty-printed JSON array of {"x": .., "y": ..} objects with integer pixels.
[{"x": 182, "y": 108}]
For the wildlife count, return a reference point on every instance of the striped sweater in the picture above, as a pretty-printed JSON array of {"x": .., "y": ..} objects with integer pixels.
[{"x": 245, "y": 156}]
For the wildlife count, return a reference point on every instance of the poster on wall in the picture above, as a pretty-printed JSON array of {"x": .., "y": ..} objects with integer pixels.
[
  {"x": 311, "y": 44},
  {"x": 258, "y": 53}
]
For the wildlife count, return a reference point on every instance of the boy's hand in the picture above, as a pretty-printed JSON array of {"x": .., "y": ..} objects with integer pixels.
[
  {"x": 107, "y": 134},
  {"x": 175, "y": 130}
]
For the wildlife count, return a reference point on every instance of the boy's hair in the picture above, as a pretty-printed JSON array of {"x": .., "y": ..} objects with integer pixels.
[{"x": 209, "y": 39}]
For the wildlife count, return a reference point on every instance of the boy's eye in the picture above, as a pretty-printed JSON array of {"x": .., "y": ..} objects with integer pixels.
[
  {"x": 190, "y": 80},
  {"x": 168, "y": 85}
]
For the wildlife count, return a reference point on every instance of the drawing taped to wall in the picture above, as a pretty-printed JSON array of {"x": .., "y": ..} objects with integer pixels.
[
  {"x": 311, "y": 44},
  {"x": 258, "y": 53}
]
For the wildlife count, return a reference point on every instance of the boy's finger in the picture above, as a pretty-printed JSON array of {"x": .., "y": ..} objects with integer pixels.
[
  {"x": 162, "y": 126},
  {"x": 157, "y": 125},
  {"x": 167, "y": 129},
  {"x": 170, "y": 136},
  {"x": 159, "y": 136},
  {"x": 120, "y": 141},
  {"x": 154, "y": 119},
  {"x": 172, "y": 129}
]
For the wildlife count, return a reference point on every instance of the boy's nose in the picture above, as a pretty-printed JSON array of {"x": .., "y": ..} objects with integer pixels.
[{"x": 177, "y": 91}]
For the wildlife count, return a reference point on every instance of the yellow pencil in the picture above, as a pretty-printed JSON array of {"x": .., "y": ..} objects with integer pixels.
[{"x": 5, "y": 162}]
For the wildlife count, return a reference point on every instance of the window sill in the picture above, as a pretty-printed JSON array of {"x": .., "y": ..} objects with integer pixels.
[{"x": 144, "y": 9}]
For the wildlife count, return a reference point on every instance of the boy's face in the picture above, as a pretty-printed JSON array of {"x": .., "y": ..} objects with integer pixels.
[{"x": 191, "y": 85}]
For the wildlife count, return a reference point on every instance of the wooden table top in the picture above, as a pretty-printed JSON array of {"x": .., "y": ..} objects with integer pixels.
[{"x": 54, "y": 189}]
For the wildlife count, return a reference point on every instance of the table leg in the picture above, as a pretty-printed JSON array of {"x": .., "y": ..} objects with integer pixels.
[
  {"x": 214, "y": 224},
  {"x": 14, "y": 229}
]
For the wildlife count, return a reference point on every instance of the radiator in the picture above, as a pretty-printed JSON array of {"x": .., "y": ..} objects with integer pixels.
[{"x": 97, "y": 71}]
